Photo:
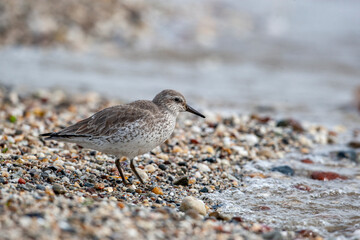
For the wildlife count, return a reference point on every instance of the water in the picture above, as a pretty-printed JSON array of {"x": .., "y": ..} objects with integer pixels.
[
  {"x": 296, "y": 59},
  {"x": 330, "y": 208}
]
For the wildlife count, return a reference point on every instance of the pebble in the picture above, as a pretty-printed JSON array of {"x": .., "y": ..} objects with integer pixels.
[
  {"x": 21, "y": 181},
  {"x": 184, "y": 181},
  {"x": 354, "y": 144},
  {"x": 266, "y": 153},
  {"x": 150, "y": 168},
  {"x": 157, "y": 191},
  {"x": 203, "y": 168},
  {"x": 326, "y": 176},
  {"x": 189, "y": 203},
  {"x": 284, "y": 169},
  {"x": 58, "y": 189},
  {"x": 162, "y": 167},
  {"x": 251, "y": 139},
  {"x": 143, "y": 174},
  {"x": 307, "y": 161}
]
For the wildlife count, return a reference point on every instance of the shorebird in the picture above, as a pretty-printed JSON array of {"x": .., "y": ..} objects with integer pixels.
[{"x": 128, "y": 130}]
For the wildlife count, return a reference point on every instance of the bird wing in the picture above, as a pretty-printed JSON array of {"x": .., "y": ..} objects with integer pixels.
[{"x": 109, "y": 120}]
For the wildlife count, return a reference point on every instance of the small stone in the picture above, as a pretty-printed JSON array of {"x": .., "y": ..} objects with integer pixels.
[
  {"x": 157, "y": 191},
  {"x": 296, "y": 126},
  {"x": 266, "y": 153},
  {"x": 302, "y": 187},
  {"x": 59, "y": 189},
  {"x": 354, "y": 144},
  {"x": 162, "y": 167},
  {"x": 184, "y": 181},
  {"x": 209, "y": 149},
  {"x": 326, "y": 176},
  {"x": 21, "y": 181},
  {"x": 203, "y": 167},
  {"x": 150, "y": 168},
  {"x": 59, "y": 163},
  {"x": 224, "y": 175},
  {"x": 210, "y": 160},
  {"x": 284, "y": 169},
  {"x": 307, "y": 234},
  {"x": 183, "y": 164},
  {"x": 99, "y": 186},
  {"x": 251, "y": 139},
  {"x": 193, "y": 203},
  {"x": 177, "y": 149},
  {"x": 198, "y": 175},
  {"x": 142, "y": 174},
  {"x": 307, "y": 161},
  {"x": 192, "y": 180},
  {"x": 204, "y": 190},
  {"x": 5, "y": 174},
  {"x": 221, "y": 216},
  {"x": 163, "y": 156},
  {"x": 340, "y": 155},
  {"x": 40, "y": 187},
  {"x": 121, "y": 205}
]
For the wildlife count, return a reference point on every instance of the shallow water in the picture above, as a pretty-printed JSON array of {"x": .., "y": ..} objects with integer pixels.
[{"x": 330, "y": 208}]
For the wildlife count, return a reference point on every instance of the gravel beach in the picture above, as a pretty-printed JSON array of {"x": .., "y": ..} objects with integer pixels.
[{"x": 53, "y": 190}]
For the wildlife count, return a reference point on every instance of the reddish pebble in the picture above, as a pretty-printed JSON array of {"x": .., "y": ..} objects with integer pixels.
[
  {"x": 21, "y": 181},
  {"x": 194, "y": 141},
  {"x": 326, "y": 176},
  {"x": 307, "y": 234},
  {"x": 307, "y": 160},
  {"x": 264, "y": 208},
  {"x": 237, "y": 219}
]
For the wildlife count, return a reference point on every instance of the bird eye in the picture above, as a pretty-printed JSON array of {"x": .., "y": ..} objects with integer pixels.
[{"x": 177, "y": 99}]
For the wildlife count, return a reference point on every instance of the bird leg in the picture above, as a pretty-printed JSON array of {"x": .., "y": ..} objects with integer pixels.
[
  {"x": 117, "y": 163},
  {"x": 132, "y": 166}
]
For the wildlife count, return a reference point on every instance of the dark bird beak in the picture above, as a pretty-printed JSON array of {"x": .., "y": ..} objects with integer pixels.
[{"x": 190, "y": 109}]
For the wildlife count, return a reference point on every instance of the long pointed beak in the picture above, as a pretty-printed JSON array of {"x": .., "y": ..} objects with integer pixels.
[{"x": 190, "y": 109}]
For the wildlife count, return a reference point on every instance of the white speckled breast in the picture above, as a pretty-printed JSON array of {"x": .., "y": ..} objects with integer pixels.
[{"x": 138, "y": 138}]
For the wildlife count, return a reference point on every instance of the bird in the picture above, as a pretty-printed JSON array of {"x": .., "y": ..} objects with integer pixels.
[{"x": 128, "y": 130}]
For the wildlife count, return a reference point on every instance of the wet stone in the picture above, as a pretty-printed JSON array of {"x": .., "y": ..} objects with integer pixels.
[
  {"x": 326, "y": 176},
  {"x": 40, "y": 187},
  {"x": 184, "y": 181},
  {"x": 59, "y": 189},
  {"x": 162, "y": 167},
  {"x": 210, "y": 160},
  {"x": 35, "y": 215},
  {"x": 284, "y": 170},
  {"x": 340, "y": 155},
  {"x": 183, "y": 164}
]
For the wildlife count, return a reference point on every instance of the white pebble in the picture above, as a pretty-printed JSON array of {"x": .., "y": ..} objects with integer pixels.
[
  {"x": 241, "y": 151},
  {"x": 191, "y": 203},
  {"x": 251, "y": 139},
  {"x": 203, "y": 168},
  {"x": 150, "y": 168},
  {"x": 142, "y": 174}
]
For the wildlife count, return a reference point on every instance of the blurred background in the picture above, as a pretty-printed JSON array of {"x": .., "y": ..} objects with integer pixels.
[{"x": 288, "y": 58}]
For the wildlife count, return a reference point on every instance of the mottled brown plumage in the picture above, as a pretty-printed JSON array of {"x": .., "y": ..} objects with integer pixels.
[{"x": 128, "y": 130}]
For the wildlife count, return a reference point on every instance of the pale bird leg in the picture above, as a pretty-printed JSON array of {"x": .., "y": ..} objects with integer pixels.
[{"x": 132, "y": 166}]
